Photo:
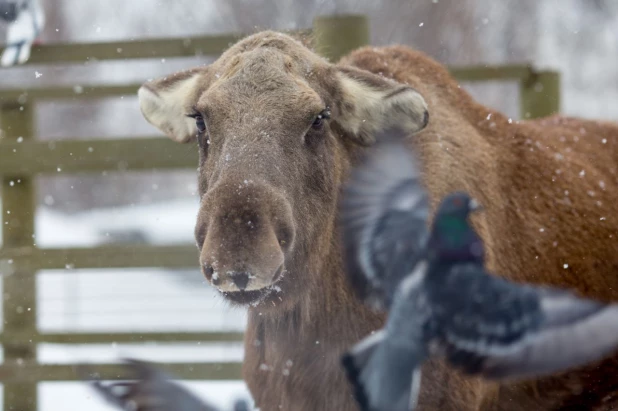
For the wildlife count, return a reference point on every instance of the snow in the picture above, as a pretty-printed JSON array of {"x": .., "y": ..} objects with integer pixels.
[
  {"x": 129, "y": 300},
  {"x": 170, "y": 222},
  {"x": 569, "y": 36}
]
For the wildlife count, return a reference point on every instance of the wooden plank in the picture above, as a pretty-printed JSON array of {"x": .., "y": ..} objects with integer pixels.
[
  {"x": 518, "y": 72},
  {"x": 24, "y": 95},
  {"x": 123, "y": 338},
  {"x": 113, "y": 256},
  {"x": 19, "y": 302},
  {"x": 132, "y": 49},
  {"x": 31, "y": 372},
  {"x": 540, "y": 95},
  {"x": 71, "y": 156},
  {"x": 137, "y": 49},
  {"x": 472, "y": 74},
  {"x": 336, "y": 36}
]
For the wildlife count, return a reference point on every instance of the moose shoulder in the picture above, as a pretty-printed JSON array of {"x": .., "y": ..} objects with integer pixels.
[{"x": 278, "y": 128}]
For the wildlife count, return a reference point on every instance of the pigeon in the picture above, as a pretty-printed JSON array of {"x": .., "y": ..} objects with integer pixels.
[
  {"x": 25, "y": 20},
  {"x": 153, "y": 391},
  {"x": 444, "y": 302}
]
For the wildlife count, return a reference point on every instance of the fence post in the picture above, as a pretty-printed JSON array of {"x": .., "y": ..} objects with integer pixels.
[
  {"x": 540, "y": 94},
  {"x": 19, "y": 302},
  {"x": 335, "y": 36}
]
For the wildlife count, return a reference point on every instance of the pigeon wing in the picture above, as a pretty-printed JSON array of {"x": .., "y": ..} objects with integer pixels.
[
  {"x": 383, "y": 214},
  {"x": 476, "y": 315},
  {"x": 574, "y": 332}
]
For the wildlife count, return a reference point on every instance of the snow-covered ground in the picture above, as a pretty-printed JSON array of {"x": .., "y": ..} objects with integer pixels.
[{"x": 129, "y": 300}]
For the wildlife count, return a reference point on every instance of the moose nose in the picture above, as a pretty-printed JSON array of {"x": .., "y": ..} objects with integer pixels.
[{"x": 240, "y": 279}]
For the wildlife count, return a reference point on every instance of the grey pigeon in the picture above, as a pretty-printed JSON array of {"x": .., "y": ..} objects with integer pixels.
[
  {"x": 444, "y": 303},
  {"x": 25, "y": 20},
  {"x": 153, "y": 391}
]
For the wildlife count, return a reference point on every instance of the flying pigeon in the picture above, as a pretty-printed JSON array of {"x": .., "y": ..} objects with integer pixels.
[
  {"x": 153, "y": 391},
  {"x": 444, "y": 303},
  {"x": 25, "y": 20}
]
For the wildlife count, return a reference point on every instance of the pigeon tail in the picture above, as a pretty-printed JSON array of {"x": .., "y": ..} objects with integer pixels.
[
  {"x": 559, "y": 348},
  {"x": 355, "y": 360}
]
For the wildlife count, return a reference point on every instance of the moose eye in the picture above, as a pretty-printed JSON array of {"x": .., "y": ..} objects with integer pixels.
[
  {"x": 200, "y": 123},
  {"x": 319, "y": 120}
]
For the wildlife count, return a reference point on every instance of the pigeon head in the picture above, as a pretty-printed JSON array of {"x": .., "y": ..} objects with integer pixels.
[
  {"x": 458, "y": 204},
  {"x": 452, "y": 237}
]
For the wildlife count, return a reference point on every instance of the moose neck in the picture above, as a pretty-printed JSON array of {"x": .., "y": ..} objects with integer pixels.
[{"x": 327, "y": 314}]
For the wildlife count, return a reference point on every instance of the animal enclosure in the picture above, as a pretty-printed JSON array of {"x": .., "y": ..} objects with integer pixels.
[{"x": 22, "y": 158}]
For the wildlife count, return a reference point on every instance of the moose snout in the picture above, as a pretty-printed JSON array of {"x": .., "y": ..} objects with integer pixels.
[{"x": 244, "y": 237}]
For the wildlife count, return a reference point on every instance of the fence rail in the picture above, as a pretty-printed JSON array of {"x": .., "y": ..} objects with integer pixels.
[
  {"x": 29, "y": 373},
  {"x": 31, "y": 157},
  {"x": 137, "y": 49},
  {"x": 108, "y": 256},
  {"x": 22, "y": 158},
  {"x": 122, "y": 337}
]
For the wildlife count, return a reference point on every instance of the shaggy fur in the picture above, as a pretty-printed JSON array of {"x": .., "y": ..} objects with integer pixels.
[{"x": 269, "y": 185}]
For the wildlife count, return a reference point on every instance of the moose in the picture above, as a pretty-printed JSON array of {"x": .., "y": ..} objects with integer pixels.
[{"x": 278, "y": 129}]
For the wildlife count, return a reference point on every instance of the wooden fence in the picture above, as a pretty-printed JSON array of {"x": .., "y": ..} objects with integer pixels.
[{"x": 23, "y": 158}]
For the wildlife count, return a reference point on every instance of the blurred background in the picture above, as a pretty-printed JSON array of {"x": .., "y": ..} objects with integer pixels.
[{"x": 578, "y": 38}]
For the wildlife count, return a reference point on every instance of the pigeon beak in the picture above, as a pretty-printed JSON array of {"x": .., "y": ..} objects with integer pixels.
[{"x": 475, "y": 205}]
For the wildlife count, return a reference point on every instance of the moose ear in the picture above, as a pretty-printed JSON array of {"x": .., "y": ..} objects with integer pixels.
[
  {"x": 372, "y": 104},
  {"x": 165, "y": 102}
]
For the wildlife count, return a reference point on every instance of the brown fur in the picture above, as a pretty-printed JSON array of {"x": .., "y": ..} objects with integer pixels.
[{"x": 269, "y": 186}]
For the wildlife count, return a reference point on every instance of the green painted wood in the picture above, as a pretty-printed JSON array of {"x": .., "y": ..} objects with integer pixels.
[
  {"x": 136, "y": 49},
  {"x": 81, "y": 92},
  {"x": 113, "y": 256},
  {"x": 31, "y": 372},
  {"x": 540, "y": 95},
  {"x": 71, "y": 156},
  {"x": 336, "y": 36},
  {"x": 19, "y": 302},
  {"x": 518, "y": 72},
  {"x": 123, "y": 338}
]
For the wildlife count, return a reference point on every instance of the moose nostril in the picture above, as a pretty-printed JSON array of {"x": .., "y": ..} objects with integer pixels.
[
  {"x": 240, "y": 279},
  {"x": 208, "y": 270}
]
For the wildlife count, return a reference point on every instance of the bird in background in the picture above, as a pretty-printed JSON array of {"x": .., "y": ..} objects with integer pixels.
[
  {"x": 153, "y": 390},
  {"x": 439, "y": 298},
  {"x": 25, "y": 19}
]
